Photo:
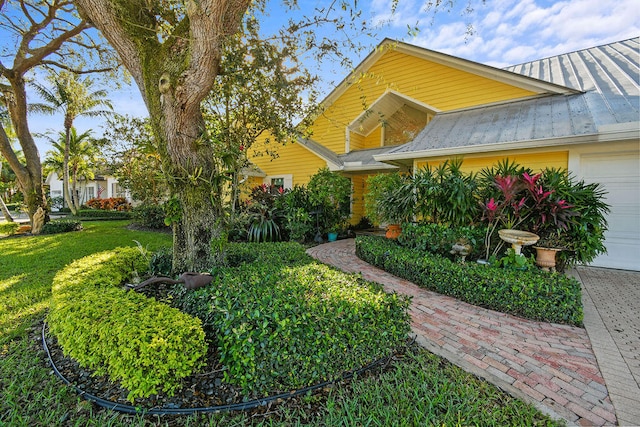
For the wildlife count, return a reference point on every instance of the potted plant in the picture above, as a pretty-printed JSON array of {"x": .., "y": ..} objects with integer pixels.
[
  {"x": 547, "y": 248},
  {"x": 396, "y": 206}
]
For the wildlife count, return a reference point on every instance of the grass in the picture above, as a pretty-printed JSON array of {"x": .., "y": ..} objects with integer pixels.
[{"x": 419, "y": 389}]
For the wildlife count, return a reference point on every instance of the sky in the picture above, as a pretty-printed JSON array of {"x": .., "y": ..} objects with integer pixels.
[{"x": 504, "y": 33}]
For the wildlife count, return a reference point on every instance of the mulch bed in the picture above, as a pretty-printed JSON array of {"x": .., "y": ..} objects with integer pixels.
[{"x": 203, "y": 389}]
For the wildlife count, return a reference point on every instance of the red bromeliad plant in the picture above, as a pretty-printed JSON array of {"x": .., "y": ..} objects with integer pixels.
[{"x": 525, "y": 203}]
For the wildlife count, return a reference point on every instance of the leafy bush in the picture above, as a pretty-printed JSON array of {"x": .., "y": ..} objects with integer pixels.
[
  {"x": 61, "y": 226},
  {"x": 280, "y": 253},
  {"x": 530, "y": 294},
  {"x": 378, "y": 186},
  {"x": 110, "y": 204},
  {"x": 296, "y": 207},
  {"x": 148, "y": 215},
  {"x": 439, "y": 239},
  {"x": 9, "y": 228},
  {"x": 144, "y": 344},
  {"x": 161, "y": 262},
  {"x": 330, "y": 192},
  {"x": 266, "y": 218},
  {"x": 282, "y": 327},
  {"x": 100, "y": 214}
]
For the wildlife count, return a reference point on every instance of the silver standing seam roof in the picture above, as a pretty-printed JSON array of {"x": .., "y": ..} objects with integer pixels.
[{"x": 607, "y": 78}]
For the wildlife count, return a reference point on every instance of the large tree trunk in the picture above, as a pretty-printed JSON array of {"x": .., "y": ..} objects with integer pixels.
[
  {"x": 174, "y": 76},
  {"x": 30, "y": 175}
]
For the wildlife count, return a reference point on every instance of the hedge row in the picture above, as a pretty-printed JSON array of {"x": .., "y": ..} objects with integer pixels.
[
  {"x": 534, "y": 294},
  {"x": 102, "y": 214},
  {"x": 144, "y": 344},
  {"x": 61, "y": 226},
  {"x": 282, "y": 321}
]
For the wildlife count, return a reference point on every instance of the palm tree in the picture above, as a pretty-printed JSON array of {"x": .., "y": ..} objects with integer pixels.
[
  {"x": 83, "y": 156},
  {"x": 73, "y": 98}
]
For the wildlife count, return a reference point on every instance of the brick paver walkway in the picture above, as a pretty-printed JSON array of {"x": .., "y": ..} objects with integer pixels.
[{"x": 549, "y": 365}]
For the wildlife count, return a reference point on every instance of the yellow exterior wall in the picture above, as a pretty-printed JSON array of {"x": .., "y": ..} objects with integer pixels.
[
  {"x": 536, "y": 161},
  {"x": 357, "y": 199},
  {"x": 439, "y": 86},
  {"x": 374, "y": 139},
  {"x": 292, "y": 159}
]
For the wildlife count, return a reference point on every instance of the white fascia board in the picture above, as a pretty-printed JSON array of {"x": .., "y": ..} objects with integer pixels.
[{"x": 488, "y": 148}]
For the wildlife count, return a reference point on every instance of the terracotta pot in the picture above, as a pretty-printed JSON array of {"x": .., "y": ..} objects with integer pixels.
[
  {"x": 393, "y": 231},
  {"x": 546, "y": 258}
]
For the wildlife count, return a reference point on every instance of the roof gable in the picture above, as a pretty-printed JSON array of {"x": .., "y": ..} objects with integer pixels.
[{"x": 606, "y": 108}]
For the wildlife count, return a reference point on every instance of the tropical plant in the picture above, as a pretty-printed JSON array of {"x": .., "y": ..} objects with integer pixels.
[
  {"x": 296, "y": 206},
  {"x": 330, "y": 193},
  {"x": 81, "y": 155},
  {"x": 377, "y": 187},
  {"x": 265, "y": 216},
  {"x": 73, "y": 98},
  {"x": 445, "y": 195}
]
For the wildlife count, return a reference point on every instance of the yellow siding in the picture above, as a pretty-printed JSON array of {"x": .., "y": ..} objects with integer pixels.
[
  {"x": 292, "y": 159},
  {"x": 357, "y": 199},
  {"x": 536, "y": 161},
  {"x": 439, "y": 86},
  {"x": 374, "y": 139},
  {"x": 356, "y": 141}
]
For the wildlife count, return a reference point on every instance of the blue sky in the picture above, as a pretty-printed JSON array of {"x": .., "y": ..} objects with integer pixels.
[{"x": 505, "y": 32}]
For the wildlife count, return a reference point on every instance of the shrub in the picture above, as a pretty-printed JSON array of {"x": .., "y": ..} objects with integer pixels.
[
  {"x": 161, "y": 262},
  {"x": 110, "y": 204},
  {"x": 61, "y": 226},
  {"x": 281, "y": 327},
  {"x": 100, "y": 214},
  {"x": 530, "y": 294},
  {"x": 151, "y": 216},
  {"x": 439, "y": 239},
  {"x": 144, "y": 344},
  {"x": 9, "y": 228}
]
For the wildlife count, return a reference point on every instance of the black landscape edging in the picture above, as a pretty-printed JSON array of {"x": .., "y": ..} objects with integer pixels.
[{"x": 128, "y": 409}]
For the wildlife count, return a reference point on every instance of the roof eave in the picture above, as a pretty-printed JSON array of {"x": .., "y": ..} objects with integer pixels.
[{"x": 488, "y": 148}]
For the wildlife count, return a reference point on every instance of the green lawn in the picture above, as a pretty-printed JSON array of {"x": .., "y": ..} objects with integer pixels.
[{"x": 420, "y": 389}]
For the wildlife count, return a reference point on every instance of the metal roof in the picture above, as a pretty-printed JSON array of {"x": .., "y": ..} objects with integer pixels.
[{"x": 607, "y": 77}]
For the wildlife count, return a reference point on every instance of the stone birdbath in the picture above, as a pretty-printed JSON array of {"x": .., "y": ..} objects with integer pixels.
[{"x": 518, "y": 238}]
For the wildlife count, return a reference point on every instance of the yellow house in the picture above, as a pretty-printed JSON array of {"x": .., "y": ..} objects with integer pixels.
[{"x": 406, "y": 106}]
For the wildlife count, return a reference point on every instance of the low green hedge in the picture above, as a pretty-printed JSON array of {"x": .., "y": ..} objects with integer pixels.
[
  {"x": 281, "y": 327},
  {"x": 102, "y": 214},
  {"x": 144, "y": 344},
  {"x": 61, "y": 226},
  {"x": 534, "y": 294},
  {"x": 439, "y": 239},
  {"x": 9, "y": 228}
]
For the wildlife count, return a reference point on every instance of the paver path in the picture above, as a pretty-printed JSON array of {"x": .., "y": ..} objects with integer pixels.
[{"x": 549, "y": 365}]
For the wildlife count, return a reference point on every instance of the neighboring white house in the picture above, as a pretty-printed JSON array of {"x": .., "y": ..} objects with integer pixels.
[{"x": 101, "y": 187}]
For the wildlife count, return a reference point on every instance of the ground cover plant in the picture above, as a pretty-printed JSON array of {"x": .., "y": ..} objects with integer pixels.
[
  {"x": 532, "y": 294},
  {"x": 423, "y": 388},
  {"x": 282, "y": 321}
]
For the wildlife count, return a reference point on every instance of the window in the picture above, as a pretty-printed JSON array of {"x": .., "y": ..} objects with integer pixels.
[
  {"x": 284, "y": 181},
  {"x": 278, "y": 183}
]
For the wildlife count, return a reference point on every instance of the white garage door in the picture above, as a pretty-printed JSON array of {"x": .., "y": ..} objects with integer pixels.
[{"x": 619, "y": 174}]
